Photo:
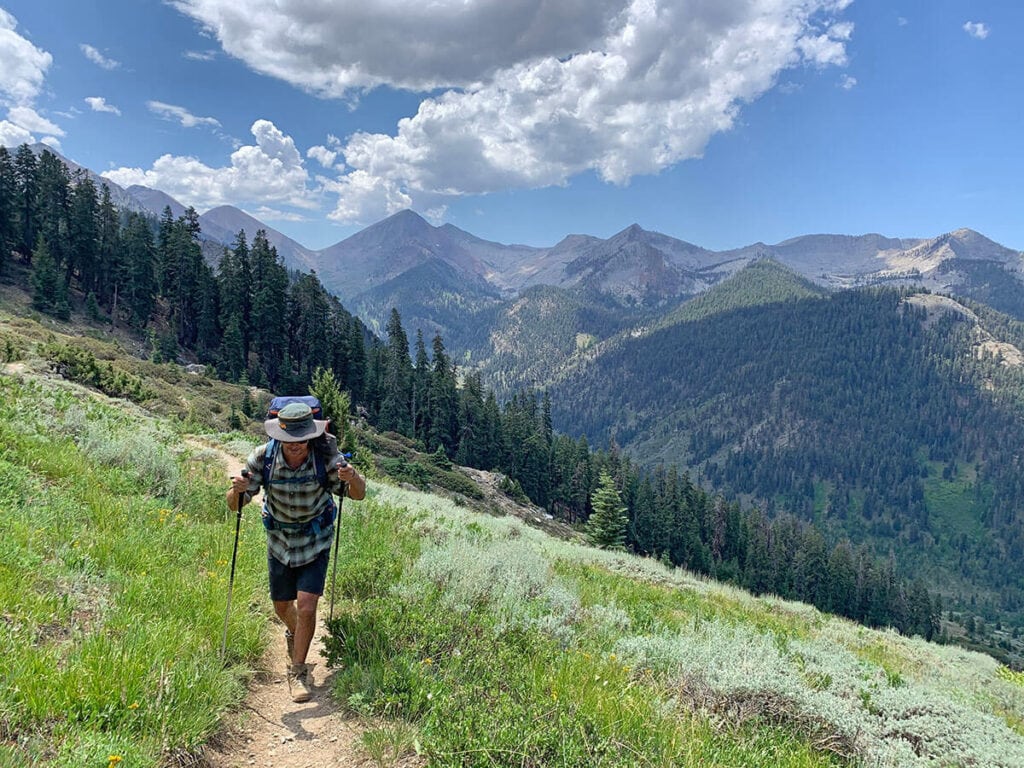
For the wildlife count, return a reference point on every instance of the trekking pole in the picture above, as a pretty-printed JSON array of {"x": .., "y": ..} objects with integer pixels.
[
  {"x": 337, "y": 535},
  {"x": 231, "y": 581}
]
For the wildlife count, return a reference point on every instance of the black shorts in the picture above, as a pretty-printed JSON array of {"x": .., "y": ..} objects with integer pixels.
[{"x": 287, "y": 582}]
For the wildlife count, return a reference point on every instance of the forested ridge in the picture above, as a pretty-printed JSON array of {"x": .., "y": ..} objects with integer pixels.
[
  {"x": 855, "y": 410},
  {"x": 247, "y": 319}
]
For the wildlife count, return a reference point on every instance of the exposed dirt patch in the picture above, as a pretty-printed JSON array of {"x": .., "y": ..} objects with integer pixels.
[{"x": 273, "y": 731}]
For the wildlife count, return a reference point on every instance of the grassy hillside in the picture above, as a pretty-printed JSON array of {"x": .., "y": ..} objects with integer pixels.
[{"x": 492, "y": 642}]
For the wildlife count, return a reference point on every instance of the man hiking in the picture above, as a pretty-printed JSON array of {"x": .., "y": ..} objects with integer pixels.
[{"x": 298, "y": 513}]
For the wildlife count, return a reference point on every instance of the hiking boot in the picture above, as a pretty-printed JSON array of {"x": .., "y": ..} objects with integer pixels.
[
  {"x": 300, "y": 682},
  {"x": 289, "y": 644}
]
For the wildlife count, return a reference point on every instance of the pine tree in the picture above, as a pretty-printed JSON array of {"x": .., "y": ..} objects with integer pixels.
[
  {"x": 443, "y": 401},
  {"x": 8, "y": 207},
  {"x": 44, "y": 278},
  {"x": 112, "y": 263},
  {"x": 421, "y": 391},
  {"x": 336, "y": 405},
  {"x": 232, "y": 352},
  {"x": 53, "y": 191},
  {"x": 269, "y": 308},
  {"x": 606, "y": 527},
  {"x": 27, "y": 204},
  {"x": 83, "y": 234},
  {"x": 396, "y": 396},
  {"x": 140, "y": 280}
]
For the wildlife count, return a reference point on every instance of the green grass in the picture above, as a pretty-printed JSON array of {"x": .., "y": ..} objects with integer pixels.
[
  {"x": 486, "y": 651},
  {"x": 114, "y": 570},
  {"x": 502, "y": 647}
]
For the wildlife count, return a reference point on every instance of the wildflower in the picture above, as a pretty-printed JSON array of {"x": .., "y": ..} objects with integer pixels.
[
  {"x": 113, "y": 760},
  {"x": 427, "y": 661},
  {"x": 133, "y": 705}
]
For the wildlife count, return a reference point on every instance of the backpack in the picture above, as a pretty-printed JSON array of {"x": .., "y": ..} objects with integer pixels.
[{"x": 324, "y": 449}]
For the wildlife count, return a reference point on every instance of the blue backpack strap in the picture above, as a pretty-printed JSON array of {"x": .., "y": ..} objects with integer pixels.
[
  {"x": 268, "y": 462},
  {"x": 321, "y": 469}
]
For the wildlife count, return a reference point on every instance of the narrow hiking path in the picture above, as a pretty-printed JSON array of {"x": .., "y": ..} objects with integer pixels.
[{"x": 272, "y": 731}]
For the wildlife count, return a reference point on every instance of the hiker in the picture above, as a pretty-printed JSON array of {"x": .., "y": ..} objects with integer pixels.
[{"x": 298, "y": 513}]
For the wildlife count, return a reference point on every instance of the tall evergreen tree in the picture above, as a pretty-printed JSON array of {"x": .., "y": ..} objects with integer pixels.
[
  {"x": 443, "y": 401},
  {"x": 232, "y": 351},
  {"x": 49, "y": 291},
  {"x": 269, "y": 307},
  {"x": 83, "y": 236},
  {"x": 27, "y": 205},
  {"x": 308, "y": 329},
  {"x": 606, "y": 527},
  {"x": 8, "y": 207},
  {"x": 396, "y": 383},
  {"x": 471, "y": 451},
  {"x": 113, "y": 264},
  {"x": 421, "y": 391},
  {"x": 235, "y": 281},
  {"x": 53, "y": 194},
  {"x": 138, "y": 253}
]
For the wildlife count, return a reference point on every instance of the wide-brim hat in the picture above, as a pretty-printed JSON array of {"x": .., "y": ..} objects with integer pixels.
[{"x": 294, "y": 424}]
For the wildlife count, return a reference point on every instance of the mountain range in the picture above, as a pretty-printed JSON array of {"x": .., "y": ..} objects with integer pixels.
[{"x": 421, "y": 269}]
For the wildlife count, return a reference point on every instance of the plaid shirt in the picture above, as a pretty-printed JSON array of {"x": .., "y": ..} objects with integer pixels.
[{"x": 296, "y": 502}]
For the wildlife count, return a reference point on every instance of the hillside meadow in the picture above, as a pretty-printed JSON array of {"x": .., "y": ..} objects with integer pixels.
[{"x": 471, "y": 639}]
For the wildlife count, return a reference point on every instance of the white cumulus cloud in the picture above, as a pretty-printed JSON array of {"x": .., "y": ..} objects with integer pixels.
[
  {"x": 97, "y": 58},
  {"x": 99, "y": 104},
  {"x": 22, "y": 65},
  {"x": 266, "y": 173},
  {"x": 322, "y": 155},
  {"x": 976, "y": 29},
  {"x": 31, "y": 120},
  {"x": 525, "y": 93},
  {"x": 180, "y": 114},
  {"x": 12, "y": 135}
]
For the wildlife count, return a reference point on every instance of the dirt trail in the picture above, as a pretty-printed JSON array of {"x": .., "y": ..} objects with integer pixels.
[{"x": 270, "y": 730}]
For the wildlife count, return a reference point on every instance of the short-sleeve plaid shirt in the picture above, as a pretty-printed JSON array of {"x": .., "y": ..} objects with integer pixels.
[{"x": 293, "y": 502}]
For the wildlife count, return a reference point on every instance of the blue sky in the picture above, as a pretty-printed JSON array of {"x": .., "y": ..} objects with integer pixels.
[{"x": 720, "y": 122}]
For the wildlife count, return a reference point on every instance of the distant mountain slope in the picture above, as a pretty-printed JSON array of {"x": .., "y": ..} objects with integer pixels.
[
  {"x": 892, "y": 420},
  {"x": 225, "y": 222},
  {"x": 435, "y": 298},
  {"x": 763, "y": 282},
  {"x": 155, "y": 201}
]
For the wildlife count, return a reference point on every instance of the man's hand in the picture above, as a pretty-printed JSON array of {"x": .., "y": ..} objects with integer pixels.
[
  {"x": 346, "y": 472},
  {"x": 235, "y": 496},
  {"x": 355, "y": 485}
]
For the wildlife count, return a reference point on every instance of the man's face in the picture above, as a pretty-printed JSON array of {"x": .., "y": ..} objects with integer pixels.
[{"x": 295, "y": 452}]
